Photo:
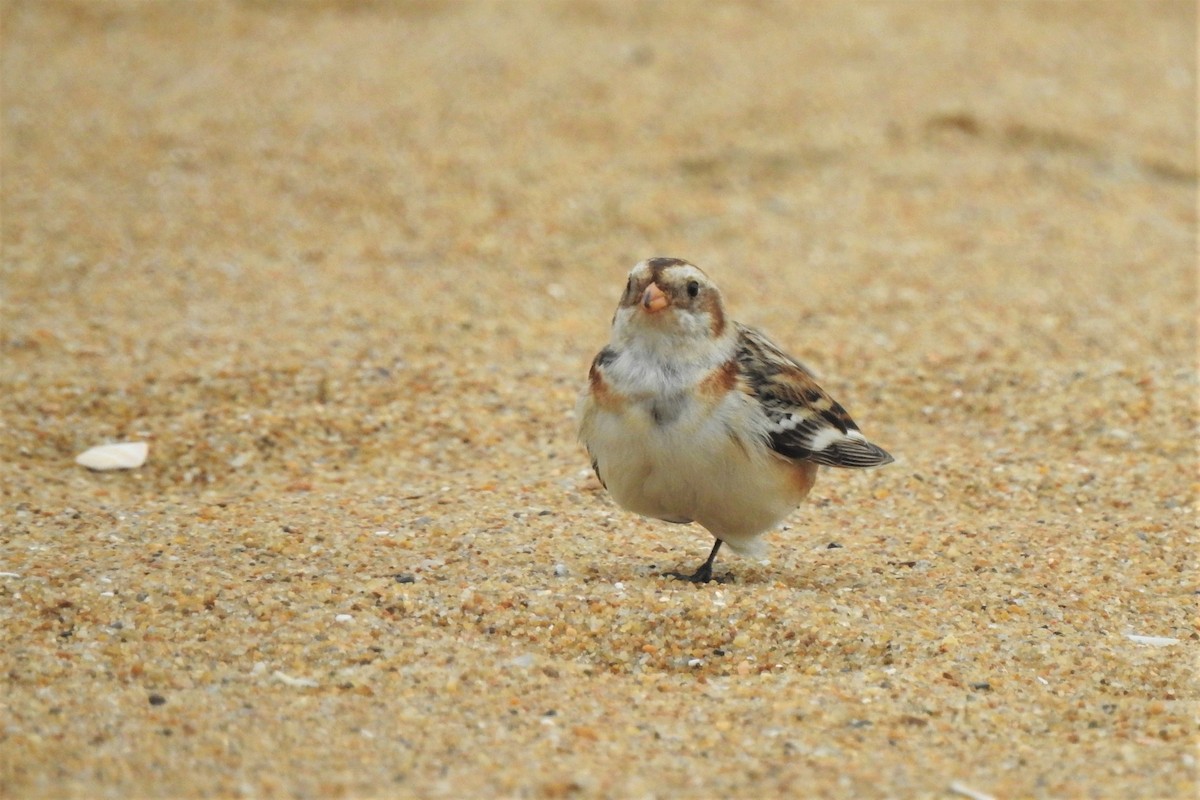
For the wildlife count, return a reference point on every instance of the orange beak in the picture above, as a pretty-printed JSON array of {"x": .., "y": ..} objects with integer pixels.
[{"x": 653, "y": 299}]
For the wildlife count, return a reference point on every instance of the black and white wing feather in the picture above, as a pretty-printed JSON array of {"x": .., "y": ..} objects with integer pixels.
[{"x": 806, "y": 424}]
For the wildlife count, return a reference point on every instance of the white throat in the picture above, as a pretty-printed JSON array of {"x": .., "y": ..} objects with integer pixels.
[{"x": 664, "y": 359}]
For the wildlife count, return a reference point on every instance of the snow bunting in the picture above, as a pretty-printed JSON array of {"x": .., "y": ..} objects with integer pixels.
[{"x": 690, "y": 417}]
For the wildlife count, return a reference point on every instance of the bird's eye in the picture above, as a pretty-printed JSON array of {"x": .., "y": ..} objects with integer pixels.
[{"x": 693, "y": 288}]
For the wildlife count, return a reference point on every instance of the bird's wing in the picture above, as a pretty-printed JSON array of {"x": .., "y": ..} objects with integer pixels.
[{"x": 805, "y": 423}]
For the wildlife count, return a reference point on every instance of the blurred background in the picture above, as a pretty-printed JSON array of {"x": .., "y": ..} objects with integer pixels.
[{"x": 828, "y": 157}]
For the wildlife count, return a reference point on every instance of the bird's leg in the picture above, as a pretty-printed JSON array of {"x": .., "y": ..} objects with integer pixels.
[{"x": 704, "y": 573}]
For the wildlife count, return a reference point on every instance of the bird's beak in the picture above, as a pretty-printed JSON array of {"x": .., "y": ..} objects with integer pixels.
[{"x": 653, "y": 299}]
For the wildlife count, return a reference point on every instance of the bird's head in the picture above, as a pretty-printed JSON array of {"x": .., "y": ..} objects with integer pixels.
[{"x": 670, "y": 300}]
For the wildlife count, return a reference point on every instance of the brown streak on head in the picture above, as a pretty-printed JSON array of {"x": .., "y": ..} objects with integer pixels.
[
  {"x": 713, "y": 306},
  {"x": 660, "y": 265}
]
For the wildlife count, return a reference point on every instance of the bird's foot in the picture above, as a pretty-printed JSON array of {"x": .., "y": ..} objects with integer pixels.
[
  {"x": 705, "y": 573},
  {"x": 702, "y": 575}
]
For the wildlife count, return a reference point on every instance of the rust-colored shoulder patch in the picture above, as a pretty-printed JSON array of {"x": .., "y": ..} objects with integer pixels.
[
  {"x": 602, "y": 393},
  {"x": 721, "y": 380}
]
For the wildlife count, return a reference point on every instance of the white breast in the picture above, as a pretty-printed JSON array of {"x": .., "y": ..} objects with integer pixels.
[{"x": 671, "y": 454}]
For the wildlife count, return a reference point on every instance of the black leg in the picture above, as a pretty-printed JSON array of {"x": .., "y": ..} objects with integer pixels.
[{"x": 704, "y": 573}]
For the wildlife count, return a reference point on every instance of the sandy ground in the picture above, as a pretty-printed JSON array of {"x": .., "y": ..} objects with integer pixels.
[{"x": 343, "y": 267}]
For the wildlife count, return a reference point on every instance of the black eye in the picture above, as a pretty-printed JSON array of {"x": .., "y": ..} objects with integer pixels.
[{"x": 693, "y": 288}]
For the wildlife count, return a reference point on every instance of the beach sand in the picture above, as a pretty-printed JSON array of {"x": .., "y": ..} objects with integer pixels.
[{"x": 343, "y": 266}]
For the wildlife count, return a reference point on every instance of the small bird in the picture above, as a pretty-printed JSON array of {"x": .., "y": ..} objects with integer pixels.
[{"x": 691, "y": 417}]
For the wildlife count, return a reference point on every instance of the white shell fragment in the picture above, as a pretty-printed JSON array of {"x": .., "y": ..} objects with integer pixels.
[
  {"x": 1156, "y": 641},
  {"x": 288, "y": 680},
  {"x": 124, "y": 455},
  {"x": 966, "y": 791}
]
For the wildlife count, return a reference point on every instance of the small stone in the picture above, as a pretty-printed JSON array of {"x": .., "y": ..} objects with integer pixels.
[
  {"x": 561, "y": 571},
  {"x": 241, "y": 459},
  {"x": 157, "y": 700}
]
